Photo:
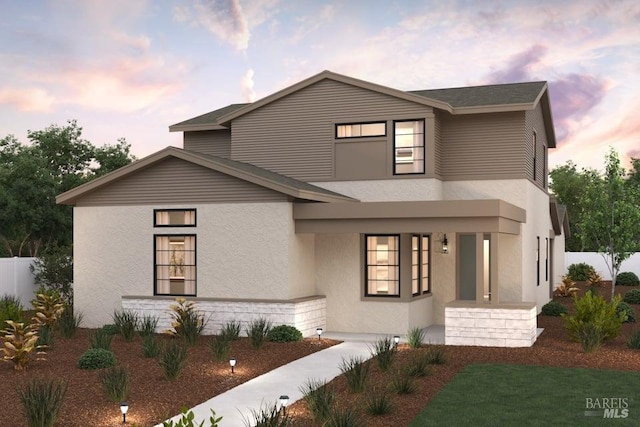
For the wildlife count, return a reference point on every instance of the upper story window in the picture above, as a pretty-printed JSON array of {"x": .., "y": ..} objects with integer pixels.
[
  {"x": 408, "y": 147},
  {"x": 382, "y": 268},
  {"x": 534, "y": 144},
  {"x": 359, "y": 130},
  {"x": 174, "y": 218}
]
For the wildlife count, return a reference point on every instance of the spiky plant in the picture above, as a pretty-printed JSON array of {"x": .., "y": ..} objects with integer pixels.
[
  {"x": 187, "y": 322},
  {"x": 48, "y": 307},
  {"x": 20, "y": 344}
]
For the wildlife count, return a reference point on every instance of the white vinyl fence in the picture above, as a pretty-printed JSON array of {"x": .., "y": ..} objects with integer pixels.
[
  {"x": 16, "y": 279},
  {"x": 597, "y": 261}
]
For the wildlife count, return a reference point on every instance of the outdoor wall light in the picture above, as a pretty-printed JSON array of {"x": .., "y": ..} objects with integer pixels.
[
  {"x": 445, "y": 245},
  {"x": 284, "y": 399},
  {"x": 396, "y": 340},
  {"x": 319, "y": 332},
  {"x": 124, "y": 408},
  {"x": 232, "y": 362}
]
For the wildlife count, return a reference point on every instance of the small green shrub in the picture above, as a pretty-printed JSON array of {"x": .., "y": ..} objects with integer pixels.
[
  {"x": 419, "y": 366},
  {"x": 284, "y": 333},
  {"x": 45, "y": 336},
  {"x": 96, "y": 358},
  {"x": 269, "y": 415},
  {"x": 42, "y": 400},
  {"x": 147, "y": 325},
  {"x": 625, "y": 308},
  {"x": 115, "y": 383},
  {"x": 10, "y": 309},
  {"x": 173, "y": 357},
  {"x": 580, "y": 272},
  {"x": 186, "y": 420},
  {"x": 347, "y": 417},
  {"x": 632, "y": 296},
  {"x": 435, "y": 355},
  {"x": 257, "y": 331},
  {"x": 383, "y": 352},
  {"x": 415, "y": 336},
  {"x": 553, "y": 308},
  {"x": 69, "y": 322},
  {"x": 403, "y": 384},
  {"x": 319, "y": 397},
  {"x": 595, "y": 321},
  {"x": 356, "y": 372},
  {"x": 378, "y": 402},
  {"x": 627, "y": 278},
  {"x": 101, "y": 339},
  {"x": 220, "y": 348},
  {"x": 231, "y": 330},
  {"x": 150, "y": 347},
  {"x": 110, "y": 329},
  {"x": 188, "y": 323},
  {"x": 127, "y": 323},
  {"x": 634, "y": 340}
]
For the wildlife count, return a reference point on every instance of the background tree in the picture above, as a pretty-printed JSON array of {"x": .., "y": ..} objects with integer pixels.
[
  {"x": 31, "y": 175},
  {"x": 611, "y": 215}
]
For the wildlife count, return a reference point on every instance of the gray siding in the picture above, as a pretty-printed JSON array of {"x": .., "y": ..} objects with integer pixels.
[
  {"x": 535, "y": 121},
  {"x": 294, "y": 135},
  {"x": 212, "y": 142},
  {"x": 482, "y": 146},
  {"x": 175, "y": 181}
]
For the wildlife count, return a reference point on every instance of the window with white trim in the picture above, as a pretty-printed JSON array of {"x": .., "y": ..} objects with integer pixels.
[
  {"x": 408, "y": 147},
  {"x": 175, "y": 265},
  {"x": 382, "y": 265}
]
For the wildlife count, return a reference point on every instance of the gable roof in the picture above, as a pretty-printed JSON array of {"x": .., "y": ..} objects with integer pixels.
[
  {"x": 559, "y": 218},
  {"x": 462, "y": 100},
  {"x": 244, "y": 171}
]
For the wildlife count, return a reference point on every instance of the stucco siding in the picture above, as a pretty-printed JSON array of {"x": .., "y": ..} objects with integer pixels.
[
  {"x": 212, "y": 142},
  {"x": 302, "y": 264},
  {"x": 177, "y": 181},
  {"x": 387, "y": 190},
  {"x": 295, "y": 134}
]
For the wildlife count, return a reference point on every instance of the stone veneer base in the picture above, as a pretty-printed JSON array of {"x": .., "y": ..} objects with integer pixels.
[
  {"x": 500, "y": 325},
  {"x": 306, "y": 314}
]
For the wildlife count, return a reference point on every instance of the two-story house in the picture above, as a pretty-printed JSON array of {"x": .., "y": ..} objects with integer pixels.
[{"x": 341, "y": 204}]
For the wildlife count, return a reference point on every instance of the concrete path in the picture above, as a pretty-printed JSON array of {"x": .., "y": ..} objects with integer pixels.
[{"x": 236, "y": 404}]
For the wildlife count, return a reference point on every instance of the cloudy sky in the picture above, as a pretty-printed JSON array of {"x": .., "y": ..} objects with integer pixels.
[{"x": 128, "y": 68}]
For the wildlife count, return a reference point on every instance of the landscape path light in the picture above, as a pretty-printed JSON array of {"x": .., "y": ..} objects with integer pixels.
[
  {"x": 124, "y": 408},
  {"x": 284, "y": 400},
  {"x": 319, "y": 332},
  {"x": 396, "y": 340},
  {"x": 232, "y": 362}
]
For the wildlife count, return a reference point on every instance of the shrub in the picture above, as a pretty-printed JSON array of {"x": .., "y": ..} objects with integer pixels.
[
  {"x": 45, "y": 337},
  {"x": 595, "y": 280},
  {"x": 580, "y": 271},
  {"x": 625, "y": 308},
  {"x": 595, "y": 321},
  {"x": 567, "y": 288},
  {"x": 10, "y": 309},
  {"x": 42, "y": 400},
  {"x": 127, "y": 323},
  {"x": 220, "y": 348},
  {"x": 378, "y": 402},
  {"x": 284, "y": 333},
  {"x": 319, "y": 397},
  {"x": 356, "y": 372},
  {"x": 96, "y": 358},
  {"x": 627, "y": 278},
  {"x": 101, "y": 339},
  {"x": 632, "y": 296},
  {"x": 115, "y": 383},
  {"x": 415, "y": 336},
  {"x": 53, "y": 272},
  {"x": 20, "y": 344},
  {"x": 554, "y": 308},
  {"x": 69, "y": 322},
  {"x": 231, "y": 330},
  {"x": 383, "y": 351},
  {"x": 48, "y": 307},
  {"x": 435, "y": 355},
  {"x": 187, "y": 323},
  {"x": 419, "y": 366},
  {"x": 173, "y": 357},
  {"x": 257, "y": 331},
  {"x": 147, "y": 325},
  {"x": 634, "y": 340},
  {"x": 403, "y": 384},
  {"x": 269, "y": 415},
  {"x": 186, "y": 420},
  {"x": 150, "y": 346},
  {"x": 110, "y": 329},
  {"x": 347, "y": 417}
]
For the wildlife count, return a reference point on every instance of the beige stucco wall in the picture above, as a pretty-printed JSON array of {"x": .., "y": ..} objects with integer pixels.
[
  {"x": 243, "y": 251},
  {"x": 387, "y": 190},
  {"x": 559, "y": 260},
  {"x": 443, "y": 275}
]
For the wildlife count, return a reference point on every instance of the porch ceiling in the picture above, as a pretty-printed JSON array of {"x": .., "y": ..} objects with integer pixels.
[{"x": 407, "y": 217}]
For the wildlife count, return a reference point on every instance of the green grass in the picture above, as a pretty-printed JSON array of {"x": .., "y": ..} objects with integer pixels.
[{"x": 515, "y": 395}]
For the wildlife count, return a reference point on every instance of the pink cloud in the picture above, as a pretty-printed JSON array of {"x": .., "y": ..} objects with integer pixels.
[
  {"x": 519, "y": 66},
  {"x": 27, "y": 99}
]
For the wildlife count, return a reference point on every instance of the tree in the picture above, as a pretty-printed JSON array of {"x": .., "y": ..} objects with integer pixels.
[{"x": 611, "y": 215}]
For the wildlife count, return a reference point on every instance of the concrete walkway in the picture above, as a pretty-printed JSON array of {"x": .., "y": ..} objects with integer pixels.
[{"x": 235, "y": 405}]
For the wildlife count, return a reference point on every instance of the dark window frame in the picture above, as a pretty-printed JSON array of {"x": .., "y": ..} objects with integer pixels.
[
  {"x": 534, "y": 142},
  {"x": 155, "y": 264},
  {"x": 424, "y": 147},
  {"x": 195, "y": 217},
  {"x": 538, "y": 261},
  {"x": 366, "y": 266},
  {"x": 420, "y": 278},
  {"x": 546, "y": 260},
  {"x": 360, "y": 136}
]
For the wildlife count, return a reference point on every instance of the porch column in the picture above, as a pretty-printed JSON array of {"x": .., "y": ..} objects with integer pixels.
[
  {"x": 493, "y": 269},
  {"x": 479, "y": 268}
]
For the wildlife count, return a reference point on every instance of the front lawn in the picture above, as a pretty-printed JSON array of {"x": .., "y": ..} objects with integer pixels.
[{"x": 533, "y": 395}]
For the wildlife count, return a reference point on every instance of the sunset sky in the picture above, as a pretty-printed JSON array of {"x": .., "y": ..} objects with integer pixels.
[{"x": 126, "y": 68}]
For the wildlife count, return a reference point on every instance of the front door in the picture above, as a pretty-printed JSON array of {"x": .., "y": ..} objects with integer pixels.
[{"x": 467, "y": 267}]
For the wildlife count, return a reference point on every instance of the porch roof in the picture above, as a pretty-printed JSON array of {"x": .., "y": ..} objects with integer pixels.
[{"x": 471, "y": 216}]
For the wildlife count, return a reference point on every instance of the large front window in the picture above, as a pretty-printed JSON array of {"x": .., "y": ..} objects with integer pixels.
[
  {"x": 383, "y": 265},
  {"x": 408, "y": 147},
  {"x": 175, "y": 265}
]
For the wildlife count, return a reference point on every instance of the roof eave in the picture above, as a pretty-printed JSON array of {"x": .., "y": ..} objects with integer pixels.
[
  {"x": 188, "y": 128},
  {"x": 502, "y": 108}
]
